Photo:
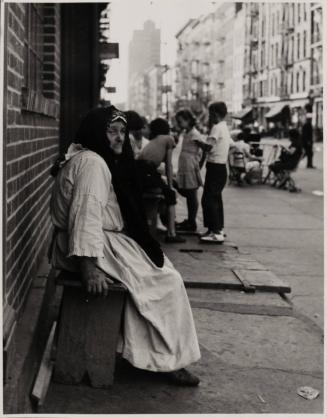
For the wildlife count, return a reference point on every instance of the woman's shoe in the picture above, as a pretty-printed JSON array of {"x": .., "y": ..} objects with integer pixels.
[
  {"x": 175, "y": 239},
  {"x": 183, "y": 377}
]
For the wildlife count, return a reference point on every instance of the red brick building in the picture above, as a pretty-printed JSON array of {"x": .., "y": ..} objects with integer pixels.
[{"x": 51, "y": 78}]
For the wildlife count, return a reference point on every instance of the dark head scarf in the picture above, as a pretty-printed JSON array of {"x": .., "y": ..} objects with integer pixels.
[{"x": 92, "y": 135}]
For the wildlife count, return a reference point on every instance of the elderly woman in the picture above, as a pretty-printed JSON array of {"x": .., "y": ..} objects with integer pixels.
[{"x": 101, "y": 232}]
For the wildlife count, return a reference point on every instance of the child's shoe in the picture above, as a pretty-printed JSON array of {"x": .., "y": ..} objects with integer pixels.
[{"x": 213, "y": 238}]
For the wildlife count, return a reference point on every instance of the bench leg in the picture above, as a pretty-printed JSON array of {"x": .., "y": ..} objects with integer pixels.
[{"x": 88, "y": 336}]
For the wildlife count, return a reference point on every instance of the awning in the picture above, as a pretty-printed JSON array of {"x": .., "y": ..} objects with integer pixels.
[
  {"x": 242, "y": 113},
  {"x": 275, "y": 110},
  {"x": 298, "y": 103}
]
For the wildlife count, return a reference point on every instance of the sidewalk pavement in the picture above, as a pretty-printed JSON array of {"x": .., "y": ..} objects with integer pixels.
[{"x": 257, "y": 350}]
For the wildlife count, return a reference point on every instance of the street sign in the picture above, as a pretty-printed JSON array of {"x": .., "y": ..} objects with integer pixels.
[
  {"x": 109, "y": 50},
  {"x": 111, "y": 89}
]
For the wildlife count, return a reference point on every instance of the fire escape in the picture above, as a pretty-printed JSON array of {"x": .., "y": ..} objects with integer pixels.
[
  {"x": 251, "y": 65},
  {"x": 286, "y": 63}
]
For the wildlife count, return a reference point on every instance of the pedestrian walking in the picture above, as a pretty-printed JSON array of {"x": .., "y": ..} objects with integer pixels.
[
  {"x": 188, "y": 174},
  {"x": 159, "y": 150},
  {"x": 102, "y": 233},
  {"x": 216, "y": 174},
  {"x": 307, "y": 137}
]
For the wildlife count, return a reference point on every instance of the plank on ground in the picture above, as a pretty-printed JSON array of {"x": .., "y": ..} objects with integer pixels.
[
  {"x": 262, "y": 280},
  {"x": 43, "y": 378}
]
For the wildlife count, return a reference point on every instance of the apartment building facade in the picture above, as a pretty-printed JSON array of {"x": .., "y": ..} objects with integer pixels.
[
  {"x": 262, "y": 59},
  {"x": 209, "y": 57},
  {"x": 278, "y": 61},
  {"x": 194, "y": 82},
  {"x": 316, "y": 79}
]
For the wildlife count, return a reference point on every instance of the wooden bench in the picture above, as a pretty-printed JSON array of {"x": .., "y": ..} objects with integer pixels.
[
  {"x": 152, "y": 199},
  {"x": 88, "y": 331}
]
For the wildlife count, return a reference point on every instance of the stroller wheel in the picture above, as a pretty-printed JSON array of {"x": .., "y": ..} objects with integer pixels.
[{"x": 295, "y": 190}]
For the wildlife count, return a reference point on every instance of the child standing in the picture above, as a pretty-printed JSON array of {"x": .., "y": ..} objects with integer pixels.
[
  {"x": 188, "y": 174},
  {"x": 216, "y": 174},
  {"x": 136, "y": 126},
  {"x": 159, "y": 150}
]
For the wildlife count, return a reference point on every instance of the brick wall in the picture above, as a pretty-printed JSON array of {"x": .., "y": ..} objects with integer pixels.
[{"x": 31, "y": 131}]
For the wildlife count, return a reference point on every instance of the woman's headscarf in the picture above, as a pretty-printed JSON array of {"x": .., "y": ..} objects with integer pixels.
[{"x": 92, "y": 135}]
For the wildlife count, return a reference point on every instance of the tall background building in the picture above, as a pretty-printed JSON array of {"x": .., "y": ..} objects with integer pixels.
[{"x": 144, "y": 52}]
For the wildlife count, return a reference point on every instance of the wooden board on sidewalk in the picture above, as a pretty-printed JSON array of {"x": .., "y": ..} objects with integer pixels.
[
  {"x": 210, "y": 266},
  {"x": 43, "y": 377},
  {"x": 262, "y": 280},
  {"x": 259, "y": 303}
]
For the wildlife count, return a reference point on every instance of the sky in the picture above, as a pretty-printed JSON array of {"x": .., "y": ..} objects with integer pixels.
[{"x": 129, "y": 15}]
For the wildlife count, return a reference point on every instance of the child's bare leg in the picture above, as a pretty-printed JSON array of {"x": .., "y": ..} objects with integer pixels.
[{"x": 171, "y": 221}]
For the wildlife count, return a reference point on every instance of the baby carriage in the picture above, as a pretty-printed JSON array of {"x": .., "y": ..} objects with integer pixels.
[
  {"x": 236, "y": 164},
  {"x": 241, "y": 170}
]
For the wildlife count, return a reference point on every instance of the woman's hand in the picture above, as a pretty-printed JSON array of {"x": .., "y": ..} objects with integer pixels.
[{"x": 94, "y": 279}]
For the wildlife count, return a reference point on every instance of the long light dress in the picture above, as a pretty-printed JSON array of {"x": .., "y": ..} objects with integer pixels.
[
  {"x": 158, "y": 330},
  {"x": 188, "y": 174}
]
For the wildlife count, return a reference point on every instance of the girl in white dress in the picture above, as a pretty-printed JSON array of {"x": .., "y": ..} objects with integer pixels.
[{"x": 188, "y": 174}]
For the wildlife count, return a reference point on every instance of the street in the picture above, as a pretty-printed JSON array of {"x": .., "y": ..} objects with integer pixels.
[{"x": 284, "y": 231}]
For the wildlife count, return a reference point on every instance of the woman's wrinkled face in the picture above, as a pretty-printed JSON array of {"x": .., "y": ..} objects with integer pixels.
[{"x": 116, "y": 136}]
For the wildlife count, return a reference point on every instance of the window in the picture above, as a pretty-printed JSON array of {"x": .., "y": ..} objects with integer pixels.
[
  {"x": 297, "y": 82},
  {"x": 277, "y": 23},
  {"x": 277, "y": 63},
  {"x": 292, "y": 83},
  {"x": 261, "y": 89},
  {"x": 263, "y": 26},
  {"x": 272, "y": 56},
  {"x": 299, "y": 12},
  {"x": 303, "y": 80},
  {"x": 291, "y": 53},
  {"x": 263, "y": 52},
  {"x": 33, "y": 47},
  {"x": 292, "y": 11},
  {"x": 298, "y": 46},
  {"x": 304, "y": 44},
  {"x": 316, "y": 66},
  {"x": 273, "y": 25},
  {"x": 304, "y": 12},
  {"x": 316, "y": 25}
]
